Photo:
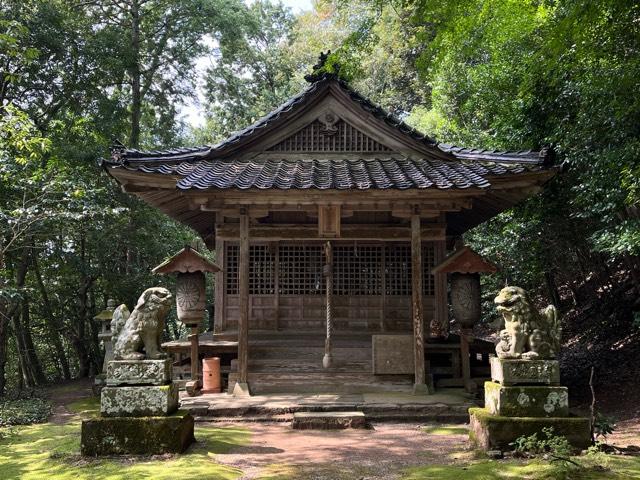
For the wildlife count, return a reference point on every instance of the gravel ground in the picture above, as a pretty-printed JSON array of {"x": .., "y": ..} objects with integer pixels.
[{"x": 378, "y": 453}]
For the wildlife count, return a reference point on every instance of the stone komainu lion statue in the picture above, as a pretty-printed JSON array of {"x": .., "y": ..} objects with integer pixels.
[
  {"x": 528, "y": 333},
  {"x": 142, "y": 329}
]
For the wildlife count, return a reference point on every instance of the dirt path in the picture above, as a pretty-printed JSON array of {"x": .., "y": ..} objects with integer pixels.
[
  {"x": 64, "y": 394},
  {"x": 369, "y": 454}
]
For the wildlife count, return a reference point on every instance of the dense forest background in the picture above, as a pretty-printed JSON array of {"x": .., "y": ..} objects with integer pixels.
[{"x": 76, "y": 75}]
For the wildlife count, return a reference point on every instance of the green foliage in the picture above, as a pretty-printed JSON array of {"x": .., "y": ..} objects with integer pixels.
[
  {"x": 556, "y": 445},
  {"x": 24, "y": 411},
  {"x": 603, "y": 426},
  {"x": 253, "y": 74}
]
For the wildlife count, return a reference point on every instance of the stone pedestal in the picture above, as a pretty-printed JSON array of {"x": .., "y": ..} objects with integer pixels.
[
  {"x": 138, "y": 412},
  {"x": 137, "y": 435},
  {"x": 524, "y": 397},
  {"x": 138, "y": 372},
  {"x": 525, "y": 372},
  {"x": 152, "y": 400}
]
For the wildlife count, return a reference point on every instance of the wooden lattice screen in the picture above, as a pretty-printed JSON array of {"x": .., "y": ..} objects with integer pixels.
[
  {"x": 314, "y": 138},
  {"x": 231, "y": 269},
  {"x": 428, "y": 262},
  {"x": 357, "y": 269},
  {"x": 398, "y": 270},
  {"x": 261, "y": 270},
  {"x": 300, "y": 271}
]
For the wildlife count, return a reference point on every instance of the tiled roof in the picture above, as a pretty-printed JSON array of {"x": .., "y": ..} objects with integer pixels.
[
  {"x": 358, "y": 174},
  {"x": 211, "y": 166}
]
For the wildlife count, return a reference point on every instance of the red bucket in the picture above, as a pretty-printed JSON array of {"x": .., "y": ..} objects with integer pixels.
[{"x": 211, "y": 375}]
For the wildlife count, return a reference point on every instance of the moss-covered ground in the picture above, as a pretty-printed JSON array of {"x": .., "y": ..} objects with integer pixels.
[
  {"x": 50, "y": 451},
  {"x": 597, "y": 467}
]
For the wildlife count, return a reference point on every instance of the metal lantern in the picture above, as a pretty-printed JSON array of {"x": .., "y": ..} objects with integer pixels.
[
  {"x": 190, "y": 299},
  {"x": 465, "y": 298},
  {"x": 465, "y": 267}
]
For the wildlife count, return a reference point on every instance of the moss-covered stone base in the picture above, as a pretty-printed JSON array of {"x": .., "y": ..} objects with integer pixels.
[
  {"x": 490, "y": 432},
  {"x": 525, "y": 372},
  {"x": 137, "y": 436},
  {"x": 139, "y": 401},
  {"x": 531, "y": 401}
]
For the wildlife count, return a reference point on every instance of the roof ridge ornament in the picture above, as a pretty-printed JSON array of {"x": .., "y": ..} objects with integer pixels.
[{"x": 326, "y": 68}]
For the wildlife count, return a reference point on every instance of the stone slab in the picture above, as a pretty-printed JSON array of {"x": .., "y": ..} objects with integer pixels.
[
  {"x": 525, "y": 372},
  {"x": 138, "y": 372},
  {"x": 137, "y": 436},
  {"x": 328, "y": 420},
  {"x": 526, "y": 401},
  {"x": 150, "y": 400},
  {"x": 392, "y": 354},
  {"x": 491, "y": 432}
]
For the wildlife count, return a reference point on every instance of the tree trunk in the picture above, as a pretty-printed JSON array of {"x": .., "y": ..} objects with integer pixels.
[
  {"x": 33, "y": 362},
  {"x": 4, "y": 324},
  {"x": 54, "y": 327},
  {"x": 134, "y": 72},
  {"x": 79, "y": 341},
  {"x": 552, "y": 288},
  {"x": 13, "y": 316}
]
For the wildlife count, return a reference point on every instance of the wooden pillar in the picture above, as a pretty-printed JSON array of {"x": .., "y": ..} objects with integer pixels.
[
  {"x": 194, "y": 386},
  {"x": 242, "y": 386},
  {"x": 465, "y": 337},
  {"x": 420, "y": 385},
  {"x": 440, "y": 321},
  {"x": 327, "y": 360},
  {"x": 219, "y": 295}
]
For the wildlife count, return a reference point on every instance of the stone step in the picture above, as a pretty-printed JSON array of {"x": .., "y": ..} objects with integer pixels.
[
  {"x": 324, "y": 382},
  {"x": 328, "y": 420}
]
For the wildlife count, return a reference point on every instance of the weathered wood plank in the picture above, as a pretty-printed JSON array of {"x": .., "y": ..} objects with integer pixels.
[
  {"x": 348, "y": 232},
  {"x": 416, "y": 304},
  {"x": 243, "y": 324}
]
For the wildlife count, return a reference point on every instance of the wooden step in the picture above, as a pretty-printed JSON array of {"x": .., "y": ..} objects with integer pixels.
[
  {"x": 323, "y": 382},
  {"x": 308, "y": 353},
  {"x": 328, "y": 420},
  {"x": 301, "y": 366}
]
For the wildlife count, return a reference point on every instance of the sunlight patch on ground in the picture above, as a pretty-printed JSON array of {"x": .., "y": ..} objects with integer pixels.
[
  {"x": 52, "y": 452},
  {"x": 445, "y": 430}
]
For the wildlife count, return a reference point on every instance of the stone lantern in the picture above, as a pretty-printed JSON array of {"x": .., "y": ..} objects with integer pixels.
[
  {"x": 465, "y": 267},
  {"x": 104, "y": 319},
  {"x": 190, "y": 267}
]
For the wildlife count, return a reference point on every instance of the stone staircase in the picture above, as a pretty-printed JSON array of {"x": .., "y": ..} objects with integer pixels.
[{"x": 294, "y": 365}]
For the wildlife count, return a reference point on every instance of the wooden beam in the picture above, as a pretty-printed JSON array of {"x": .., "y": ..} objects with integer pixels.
[
  {"x": 419, "y": 385},
  {"x": 241, "y": 388},
  {"x": 348, "y": 232}
]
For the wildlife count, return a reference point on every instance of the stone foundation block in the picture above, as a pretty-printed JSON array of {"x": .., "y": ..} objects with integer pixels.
[
  {"x": 525, "y": 372},
  {"x": 138, "y": 372},
  {"x": 526, "y": 401},
  {"x": 491, "y": 432},
  {"x": 328, "y": 420},
  {"x": 137, "y": 436},
  {"x": 139, "y": 401},
  {"x": 392, "y": 354}
]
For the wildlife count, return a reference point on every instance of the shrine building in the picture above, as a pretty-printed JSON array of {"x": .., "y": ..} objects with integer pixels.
[{"x": 327, "y": 217}]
